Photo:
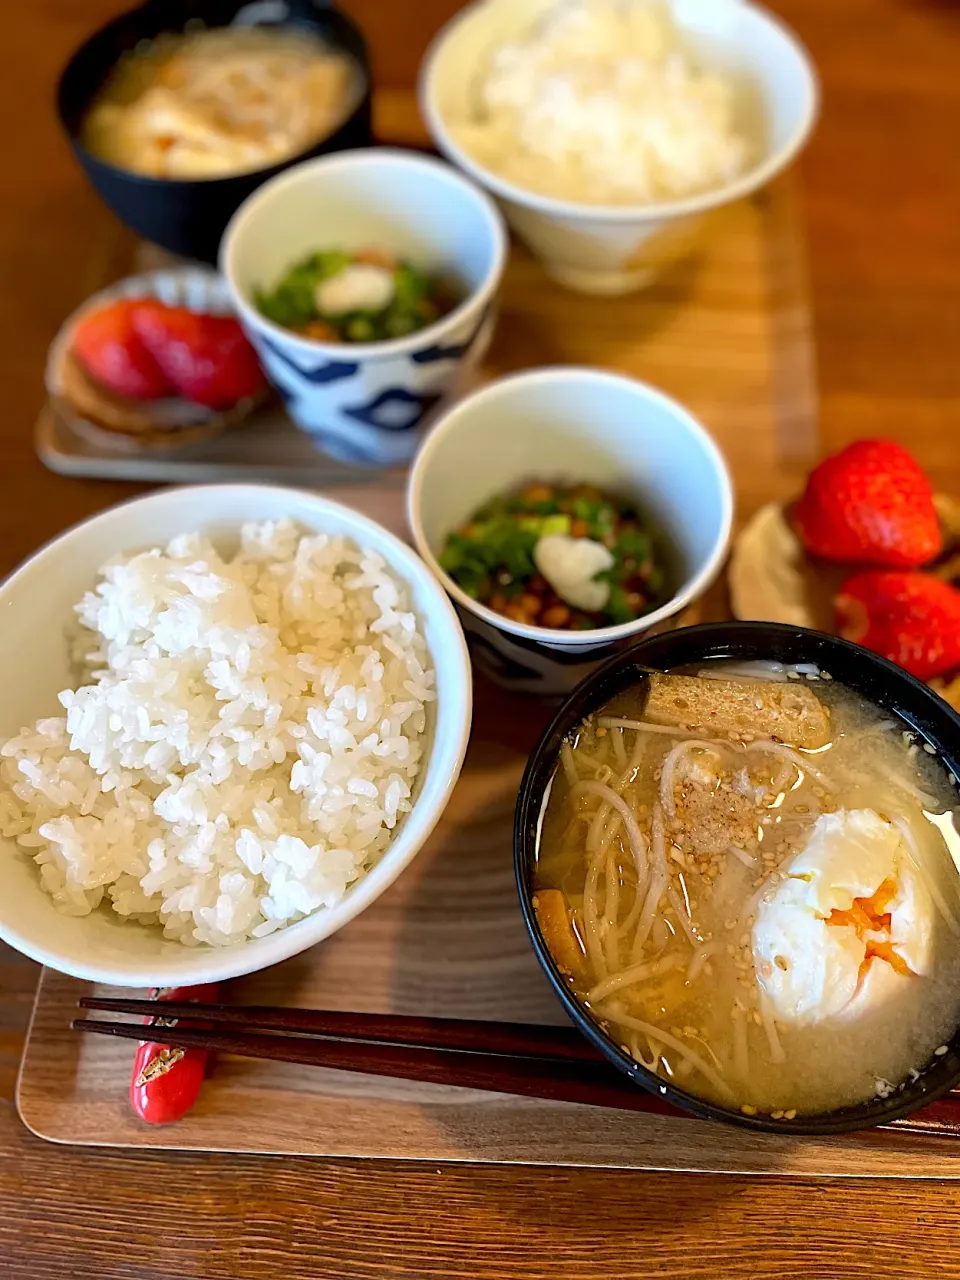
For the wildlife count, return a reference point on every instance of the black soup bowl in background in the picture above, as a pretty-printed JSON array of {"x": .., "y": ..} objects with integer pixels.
[
  {"x": 188, "y": 216},
  {"x": 883, "y": 683}
]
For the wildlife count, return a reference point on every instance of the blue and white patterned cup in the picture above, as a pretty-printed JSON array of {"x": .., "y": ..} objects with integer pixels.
[
  {"x": 571, "y": 425},
  {"x": 365, "y": 402}
]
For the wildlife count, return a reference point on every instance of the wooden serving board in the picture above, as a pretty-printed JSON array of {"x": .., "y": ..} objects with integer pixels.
[{"x": 446, "y": 940}]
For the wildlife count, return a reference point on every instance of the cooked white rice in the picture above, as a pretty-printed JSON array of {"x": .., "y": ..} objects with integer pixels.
[
  {"x": 247, "y": 739},
  {"x": 598, "y": 103}
]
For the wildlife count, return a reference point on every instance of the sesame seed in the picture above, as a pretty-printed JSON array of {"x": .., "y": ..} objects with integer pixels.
[
  {"x": 776, "y": 1115},
  {"x": 930, "y": 750},
  {"x": 791, "y": 1114},
  {"x": 944, "y": 1048},
  {"x": 748, "y": 1110},
  {"x": 793, "y": 675}
]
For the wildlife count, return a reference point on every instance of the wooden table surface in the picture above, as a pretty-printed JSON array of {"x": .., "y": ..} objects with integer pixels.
[{"x": 882, "y": 206}]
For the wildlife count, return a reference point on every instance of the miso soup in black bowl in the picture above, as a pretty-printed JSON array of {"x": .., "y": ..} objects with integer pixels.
[
  {"x": 737, "y": 859},
  {"x": 176, "y": 165}
]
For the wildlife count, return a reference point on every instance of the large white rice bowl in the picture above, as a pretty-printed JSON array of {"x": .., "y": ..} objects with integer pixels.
[{"x": 281, "y": 716}]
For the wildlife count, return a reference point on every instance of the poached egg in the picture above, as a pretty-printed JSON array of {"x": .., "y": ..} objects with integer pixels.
[{"x": 850, "y": 924}]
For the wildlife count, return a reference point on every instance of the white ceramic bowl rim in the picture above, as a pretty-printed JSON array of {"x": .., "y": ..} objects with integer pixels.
[
  {"x": 219, "y": 964},
  {"x": 700, "y": 580},
  {"x": 758, "y": 176},
  {"x": 369, "y": 157}
]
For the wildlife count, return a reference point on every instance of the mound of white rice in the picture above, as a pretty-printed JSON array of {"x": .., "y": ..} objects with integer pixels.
[
  {"x": 599, "y": 103},
  {"x": 247, "y": 740}
]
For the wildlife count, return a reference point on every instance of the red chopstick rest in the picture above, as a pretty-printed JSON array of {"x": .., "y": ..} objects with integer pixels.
[{"x": 166, "y": 1081}]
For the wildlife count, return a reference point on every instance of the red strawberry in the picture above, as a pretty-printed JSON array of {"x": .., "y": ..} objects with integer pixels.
[
  {"x": 911, "y": 618},
  {"x": 869, "y": 504},
  {"x": 107, "y": 345},
  {"x": 207, "y": 358}
]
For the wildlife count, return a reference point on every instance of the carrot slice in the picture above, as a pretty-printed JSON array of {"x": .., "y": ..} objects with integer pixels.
[{"x": 553, "y": 917}]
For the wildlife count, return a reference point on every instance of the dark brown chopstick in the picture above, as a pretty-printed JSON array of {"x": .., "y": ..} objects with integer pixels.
[
  {"x": 556, "y": 1079},
  {"x": 510, "y": 1038},
  {"x": 588, "y": 1080}
]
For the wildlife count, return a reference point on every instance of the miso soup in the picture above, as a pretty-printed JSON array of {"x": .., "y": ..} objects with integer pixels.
[{"x": 748, "y": 876}]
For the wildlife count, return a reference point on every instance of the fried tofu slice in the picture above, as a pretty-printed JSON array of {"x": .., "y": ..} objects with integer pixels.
[{"x": 790, "y": 712}]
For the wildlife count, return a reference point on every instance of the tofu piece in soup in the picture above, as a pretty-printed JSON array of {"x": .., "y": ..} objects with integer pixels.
[{"x": 789, "y": 712}]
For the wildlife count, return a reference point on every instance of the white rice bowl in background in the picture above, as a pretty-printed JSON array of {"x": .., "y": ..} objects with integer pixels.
[
  {"x": 252, "y": 737},
  {"x": 598, "y": 103},
  {"x": 608, "y": 130}
]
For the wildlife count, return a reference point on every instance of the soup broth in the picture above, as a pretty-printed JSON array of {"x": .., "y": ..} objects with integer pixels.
[
  {"x": 747, "y": 876},
  {"x": 211, "y": 103}
]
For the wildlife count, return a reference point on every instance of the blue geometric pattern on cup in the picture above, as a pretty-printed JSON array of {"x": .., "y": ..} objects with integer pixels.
[
  {"x": 393, "y": 410},
  {"x": 332, "y": 371},
  {"x": 430, "y": 355},
  {"x": 346, "y": 450}
]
